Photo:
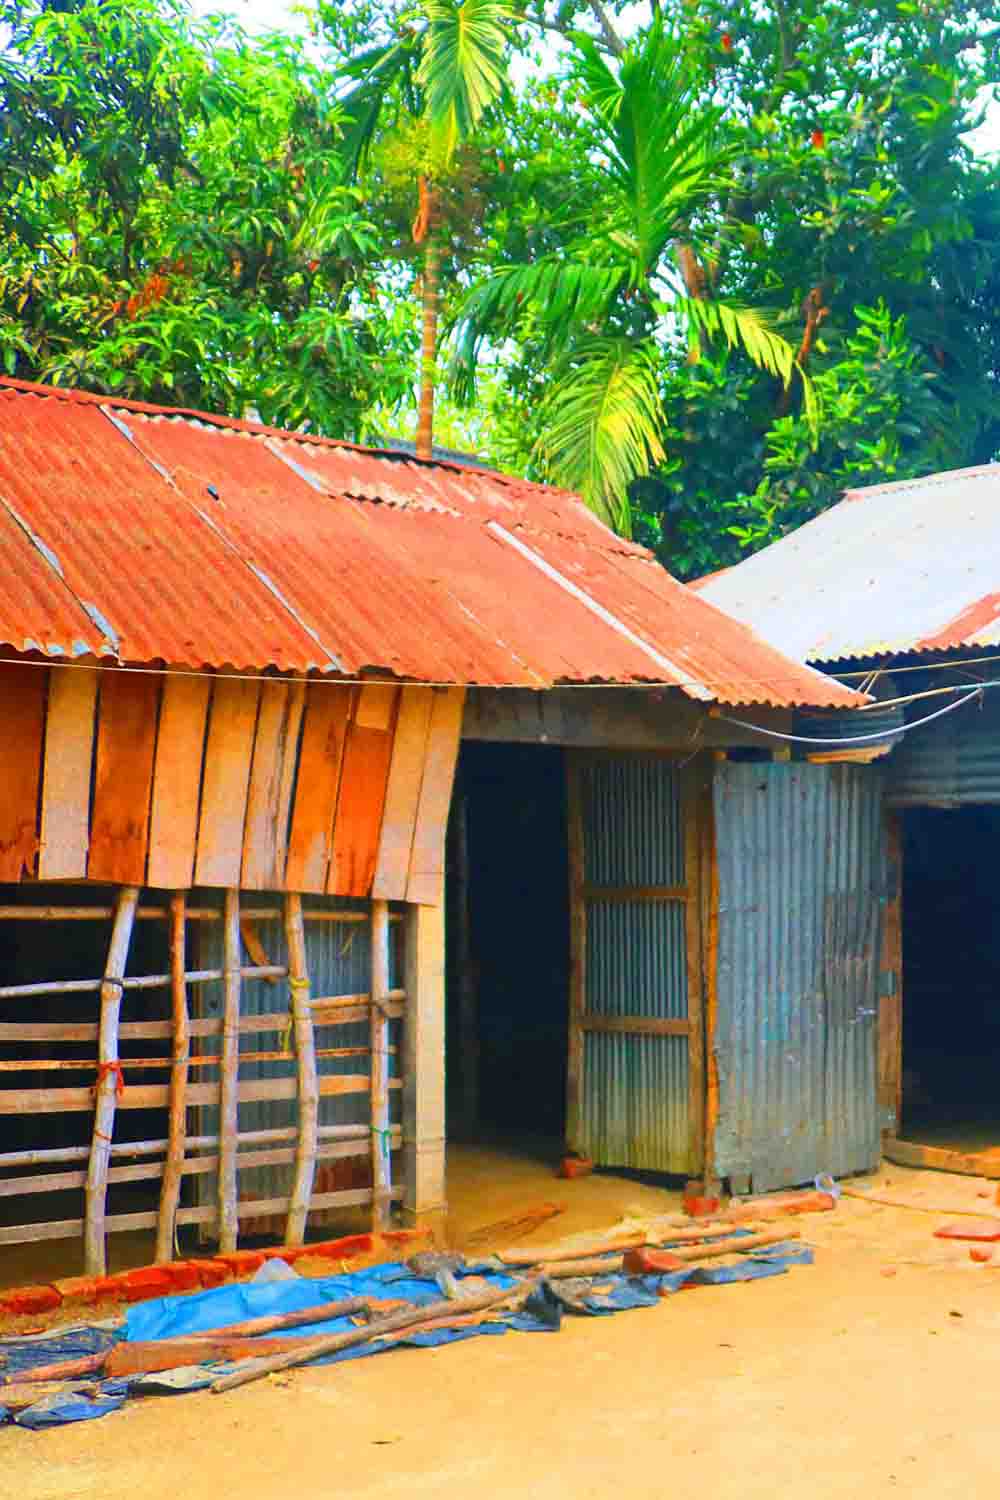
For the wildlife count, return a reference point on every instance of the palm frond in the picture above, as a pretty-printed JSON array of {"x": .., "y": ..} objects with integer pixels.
[
  {"x": 560, "y": 297},
  {"x": 388, "y": 68},
  {"x": 601, "y": 423},
  {"x": 463, "y": 64},
  {"x": 749, "y": 330},
  {"x": 662, "y": 143}
]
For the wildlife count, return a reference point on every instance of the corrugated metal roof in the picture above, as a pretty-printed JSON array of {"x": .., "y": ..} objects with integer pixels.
[
  {"x": 154, "y": 535},
  {"x": 912, "y": 566}
]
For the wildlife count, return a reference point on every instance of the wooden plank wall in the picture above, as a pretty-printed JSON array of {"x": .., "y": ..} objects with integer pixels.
[{"x": 169, "y": 781}]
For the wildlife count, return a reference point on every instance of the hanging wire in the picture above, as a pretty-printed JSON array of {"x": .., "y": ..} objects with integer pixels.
[{"x": 860, "y": 739}]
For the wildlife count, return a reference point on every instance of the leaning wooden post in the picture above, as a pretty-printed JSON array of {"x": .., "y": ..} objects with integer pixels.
[
  {"x": 423, "y": 1064},
  {"x": 379, "y": 1046},
  {"x": 305, "y": 1068},
  {"x": 173, "y": 1166},
  {"x": 229, "y": 1074},
  {"x": 109, "y": 1082}
]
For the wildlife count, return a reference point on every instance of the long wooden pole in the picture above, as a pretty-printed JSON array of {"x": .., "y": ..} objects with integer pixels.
[
  {"x": 109, "y": 1082},
  {"x": 333, "y": 1343},
  {"x": 173, "y": 1166},
  {"x": 381, "y": 1159},
  {"x": 305, "y": 1066},
  {"x": 229, "y": 1074}
]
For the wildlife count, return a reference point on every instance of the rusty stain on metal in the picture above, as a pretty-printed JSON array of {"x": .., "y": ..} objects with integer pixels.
[
  {"x": 909, "y": 566},
  {"x": 207, "y": 542}
]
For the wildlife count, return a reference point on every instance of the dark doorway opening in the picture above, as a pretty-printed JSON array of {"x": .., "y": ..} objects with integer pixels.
[
  {"x": 951, "y": 977},
  {"x": 508, "y": 944}
]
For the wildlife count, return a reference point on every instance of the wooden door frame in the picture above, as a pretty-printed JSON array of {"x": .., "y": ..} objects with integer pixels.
[{"x": 699, "y": 894}]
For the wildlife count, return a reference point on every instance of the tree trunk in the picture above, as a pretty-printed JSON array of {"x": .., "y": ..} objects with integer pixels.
[{"x": 430, "y": 306}]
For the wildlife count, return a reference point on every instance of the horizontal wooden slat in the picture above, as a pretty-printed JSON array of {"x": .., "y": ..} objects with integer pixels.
[
  {"x": 154, "y": 1096},
  {"x": 637, "y": 1025},
  {"x": 940, "y": 1159},
  {"x": 59, "y": 1182},
  {"x": 194, "y": 1143},
  {"x": 622, "y": 893}
]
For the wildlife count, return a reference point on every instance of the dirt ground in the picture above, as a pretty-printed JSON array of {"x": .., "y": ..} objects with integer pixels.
[{"x": 874, "y": 1373}]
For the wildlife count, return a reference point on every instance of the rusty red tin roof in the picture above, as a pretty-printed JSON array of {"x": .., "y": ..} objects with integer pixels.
[{"x": 146, "y": 534}]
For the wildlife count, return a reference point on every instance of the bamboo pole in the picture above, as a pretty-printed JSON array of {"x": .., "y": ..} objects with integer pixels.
[
  {"x": 173, "y": 1167},
  {"x": 305, "y": 1071},
  {"x": 310, "y": 1349},
  {"x": 108, "y": 1083},
  {"x": 229, "y": 1074},
  {"x": 381, "y": 1158}
]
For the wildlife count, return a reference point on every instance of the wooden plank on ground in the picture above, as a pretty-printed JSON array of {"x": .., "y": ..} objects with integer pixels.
[
  {"x": 425, "y": 882},
  {"x": 327, "y": 714},
  {"x": 276, "y": 746},
  {"x": 180, "y": 749},
  {"x": 126, "y": 741},
  {"x": 940, "y": 1159},
  {"x": 22, "y": 718},
  {"x": 363, "y": 784},
  {"x": 406, "y": 771},
  {"x": 231, "y": 724},
  {"x": 69, "y": 757}
]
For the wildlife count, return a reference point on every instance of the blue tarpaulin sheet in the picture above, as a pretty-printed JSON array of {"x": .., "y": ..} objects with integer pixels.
[{"x": 173, "y": 1317}]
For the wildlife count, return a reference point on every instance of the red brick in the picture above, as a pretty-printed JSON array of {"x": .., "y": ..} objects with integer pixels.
[
  {"x": 241, "y": 1262},
  {"x": 644, "y": 1262},
  {"x": 211, "y": 1272},
  {"x": 30, "y": 1299},
  {"x": 85, "y": 1289},
  {"x": 342, "y": 1249}
]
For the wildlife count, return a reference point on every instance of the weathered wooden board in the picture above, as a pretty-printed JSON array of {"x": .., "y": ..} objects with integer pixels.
[
  {"x": 69, "y": 756},
  {"x": 231, "y": 725},
  {"x": 327, "y": 714},
  {"x": 363, "y": 784},
  {"x": 22, "y": 715},
  {"x": 180, "y": 748},
  {"x": 265, "y": 838},
  {"x": 406, "y": 771},
  {"x": 126, "y": 741},
  {"x": 426, "y": 876}
]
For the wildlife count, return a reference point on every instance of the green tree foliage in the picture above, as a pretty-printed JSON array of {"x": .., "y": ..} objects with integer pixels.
[
  {"x": 175, "y": 223},
  {"x": 855, "y": 218}
]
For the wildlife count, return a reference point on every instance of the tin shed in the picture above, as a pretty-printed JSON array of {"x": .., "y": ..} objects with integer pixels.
[
  {"x": 897, "y": 587},
  {"x": 238, "y": 668}
]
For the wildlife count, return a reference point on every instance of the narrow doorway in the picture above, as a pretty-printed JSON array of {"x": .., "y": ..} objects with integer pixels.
[
  {"x": 508, "y": 947},
  {"x": 951, "y": 977}
]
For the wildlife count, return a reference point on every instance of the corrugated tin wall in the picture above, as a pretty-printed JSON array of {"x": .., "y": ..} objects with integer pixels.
[
  {"x": 635, "y": 1088},
  {"x": 953, "y": 761},
  {"x": 801, "y": 868},
  {"x": 339, "y": 962}
]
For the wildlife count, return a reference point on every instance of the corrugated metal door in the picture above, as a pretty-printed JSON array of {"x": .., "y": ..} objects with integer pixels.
[
  {"x": 800, "y": 868},
  {"x": 635, "y": 1044}
]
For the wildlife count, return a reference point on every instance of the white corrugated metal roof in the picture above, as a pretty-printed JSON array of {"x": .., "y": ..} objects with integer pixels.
[{"x": 911, "y": 566}]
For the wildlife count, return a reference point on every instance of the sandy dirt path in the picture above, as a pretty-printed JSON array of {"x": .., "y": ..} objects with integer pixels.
[{"x": 832, "y": 1381}]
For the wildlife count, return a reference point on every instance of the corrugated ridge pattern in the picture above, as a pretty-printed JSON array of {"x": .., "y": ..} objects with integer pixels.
[
  {"x": 950, "y": 763},
  {"x": 636, "y": 1113},
  {"x": 897, "y": 567},
  {"x": 152, "y": 536},
  {"x": 635, "y": 1089},
  {"x": 634, "y": 831},
  {"x": 800, "y": 875},
  {"x": 637, "y": 959}
]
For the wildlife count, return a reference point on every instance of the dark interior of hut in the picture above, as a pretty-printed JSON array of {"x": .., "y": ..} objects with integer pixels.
[
  {"x": 951, "y": 977},
  {"x": 508, "y": 947}
]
